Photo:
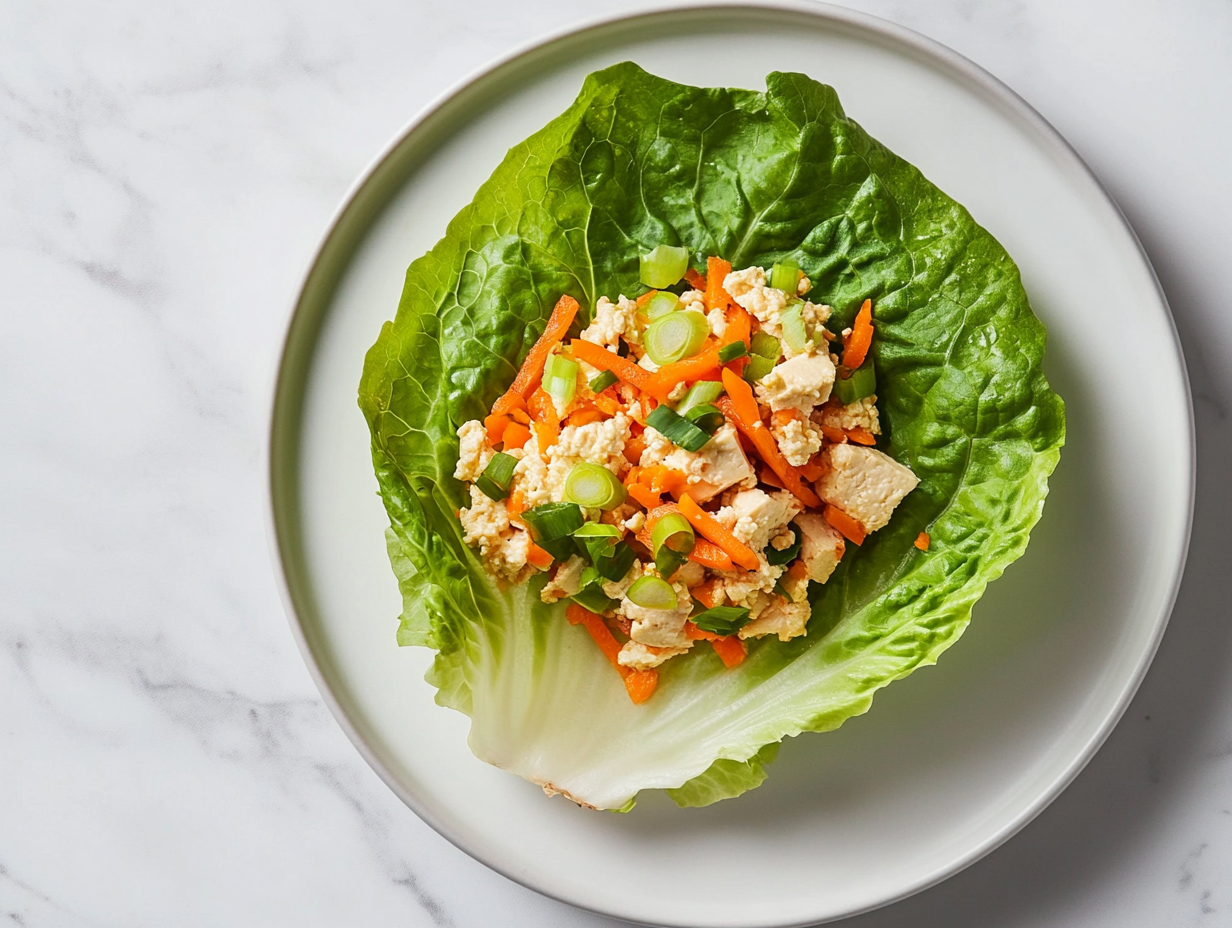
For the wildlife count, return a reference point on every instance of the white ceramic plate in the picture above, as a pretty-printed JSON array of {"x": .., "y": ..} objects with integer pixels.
[{"x": 951, "y": 761}]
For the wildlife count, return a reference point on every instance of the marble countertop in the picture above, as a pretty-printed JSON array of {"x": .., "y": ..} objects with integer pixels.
[{"x": 166, "y": 170}]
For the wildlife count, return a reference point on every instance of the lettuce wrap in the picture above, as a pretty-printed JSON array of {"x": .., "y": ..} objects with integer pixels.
[{"x": 755, "y": 178}]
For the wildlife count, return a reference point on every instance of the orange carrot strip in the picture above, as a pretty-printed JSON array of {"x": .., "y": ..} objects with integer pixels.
[
  {"x": 693, "y": 633},
  {"x": 730, "y": 650},
  {"x": 546, "y": 435},
  {"x": 634, "y": 448},
  {"x": 686, "y": 371},
  {"x": 606, "y": 404},
  {"x": 811, "y": 471},
  {"x": 643, "y": 495},
  {"x": 577, "y": 615},
  {"x": 496, "y": 425},
  {"x": 645, "y": 298},
  {"x": 710, "y": 555},
  {"x": 740, "y": 406},
  {"x": 538, "y": 557},
  {"x": 640, "y": 685},
  {"x": 798, "y": 570},
  {"x": 600, "y": 357},
  {"x": 739, "y": 326},
  {"x": 716, "y": 271},
  {"x": 856, "y": 345},
  {"x": 922, "y": 540},
  {"x": 706, "y": 594},
  {"x": 531, "y": 371},
  {"x": 770, "y": 478},
  {"x": 516, "y": 435},
  {"x": 835, "y": 435},
  {"x": 519, "y": 415},
  {"x": 848, "y": 527},
  {"x": 718, "y": 533},
  {"x": 584, "y": 416},
  {"x": 696, "y": 280},
  {"x": 861, "y": 435},
  {"x": 516, "y": 505}
]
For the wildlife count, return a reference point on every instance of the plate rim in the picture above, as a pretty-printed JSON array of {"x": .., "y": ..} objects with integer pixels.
[{"x": 286, "y": 406}]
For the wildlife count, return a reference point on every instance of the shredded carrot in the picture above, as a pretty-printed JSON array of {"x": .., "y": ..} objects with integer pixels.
[
  {"x": 516, "y": 435},
  {"x": 706, "y": 594},
  {"x": 546, "y": 435},
  {"x": 861, "y": 435},
  {"x": 696, "y": 280},
  {"x": 798, "y": 570},
  {"x": 848, "y": 527},
  {"x": 600, "y": 357},
  {"x": 834, "y": 435},
  {"x": 730, "y": 650},
  {"x": 922, "y": 540},
  {"x": 634, "y": 448},
  {"x": 584, "y": 416},
  {"x": 711, "y": 555},
  {"x": 811, "y": 471},
  {"x": 537, "y": 557},
  {"x": 531, "y": 371},
  {"x": 644, "y": 495},
  {"x": 640, "y": 685},
  {"x": 646, "y": 298},
  {"x": 578, "y": 615},
  {"x": 856, "y": 345},
  {"x": 516, "y": 505},
  {"x": 716, "y": 272},
  {"x": 740, "y": 407},
  {"x": 693, "y": 633},
  {"x": 519, "y": 415},
  {"x": 606, "y": 404},
  {"x": 770, "y": 478},
  {"x": 541, "y": 407},
  {"x": 739, "y": 326},
  {"x": 686, "y": 371},
  {"x": 718, "y": 533},
  {"x": 496, "y": 425}
]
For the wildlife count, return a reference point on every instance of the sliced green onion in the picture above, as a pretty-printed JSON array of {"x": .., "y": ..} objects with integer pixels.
[
  {"x": 782, "y": 591},
  {"x": 594, "y": 486},
  {"x": 765, "y": 346},
  {"x": 758, "y": 368},
  {"x": 674, "y": 531},
  {"x": 590, "y": 595},
  {"x": 677, "y": 429},
  {"x": 496, "y": 477},
  {"x": 785, "y": 276},
  {"x": 652, "y": 593},
  {"x": 560, "y": 378},
  {"x": 794, "y": 332},
  {"x": 604, "y": 380},
  {"x": 861, "y": 383},
  {"x": 722, "y": 620},
  {"x": 664, "y": 266},
  {"x": 777, "y": 558},
  {"x": 553, "y": 521},
  {"x": 732, "y": 351},
  {"x": 660, "y": 305},
  {"x": 667, "y": 562},
  {"x": 614, "y": 566},
  {"x": 596, "y": 540},
  {"x": 706, "y": 417},
  {"x": 701, "y": 393},
  {"x": 676, "y": 335}
]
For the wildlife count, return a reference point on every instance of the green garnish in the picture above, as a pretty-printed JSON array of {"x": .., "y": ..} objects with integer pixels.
[
  {"x": 785, "y": 276},
  {"x": 794, "y": 332},
  {"x": 652, "y": 593},
  {"x": 614, "y": 566},
  {"x": 597, "y": 540},
  {"x": 553, "y": 521},
  {"x": 861, "y": 383},
  {"x": 676, "y": 335},
  {"x": 591, "y": 595},
  {"x": 677, "y": 429},
  {"x": 594, "y": 486},
  {"x": 765, "y": 346},
  {"x": 701, "y": 393},
  {"x": 722, "y": 620},
  {"x": 496, "y": 477},
  {"x": 601, "y": 382},
  {"x": 732, "y": 351},
  {"x": 758, "y": 368},
  {"x": 673, "y": 531},
  {"x": 660, "y": 305},
  {"x": 776, "y": 558},
  {"x": 560, "y": 379},
  {"x": 664, "y": 266},
  {"x": 706, "y": 417}
]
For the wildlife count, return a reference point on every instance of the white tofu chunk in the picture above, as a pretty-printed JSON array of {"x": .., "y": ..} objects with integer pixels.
[
  {"x": 756, "y": 516},
  {"x": 642, "y": 657},
  {"x": 721, "y": 463},
  {"x": 786, "y": 619},
  {"x": 799, "y": 383},
  {"x": 821, "y": 546},
  {"x": 864, "y": 483}
]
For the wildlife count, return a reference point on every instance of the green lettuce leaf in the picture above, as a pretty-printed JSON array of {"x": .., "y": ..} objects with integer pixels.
[{"x": 754, "y": 177}]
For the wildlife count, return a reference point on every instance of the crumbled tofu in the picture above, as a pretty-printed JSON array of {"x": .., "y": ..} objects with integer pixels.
[
  {"x": 659, "y": 628},
  {"x": 756, "y": 516},
  {"x": 798, "y": 439},
  {"x": 786, "y": 619},
  {"x": 803, "y": 285},
  {"x": 799, "y": 383},
  {"x": 642, "y": 657},
  {"x": 821, "y": 546},
  {"x": 635, "y": 522},
  {"x": 678, "y": 392},
  {"x": 718, "y": 322},
  {"x": 645, "y": 363},
  {"x": 474, "y": 452},
  {"x": 814, "y": 316},
  {"x": 502, "y": 547},
  {"x": 612, "y": 322},
  {"x": 693, "y": 300},
  {"x": 566, "y": 582},
  {"x": 720, "y": 463},
  {"x": 864, "y": 483},
  {"x": 748, "y": 288},
  {"x": 601, "y": 442},
  {"x": 690, "y": 575},
  {"x": 616, "y": 589},
  {"x": 536, "y": 482},
  {"x": 861, "y": 413},
  {"x": 749, "y": 588}
]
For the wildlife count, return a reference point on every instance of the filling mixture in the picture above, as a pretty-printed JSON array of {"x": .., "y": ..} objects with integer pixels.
[{"x": 686, "y": 466}]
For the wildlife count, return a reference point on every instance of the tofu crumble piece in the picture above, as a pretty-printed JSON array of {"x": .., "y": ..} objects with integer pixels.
[{"x": 618, "y": 459}]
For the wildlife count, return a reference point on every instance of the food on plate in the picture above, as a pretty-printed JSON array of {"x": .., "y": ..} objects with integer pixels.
[{"x": 708, "y": 417}]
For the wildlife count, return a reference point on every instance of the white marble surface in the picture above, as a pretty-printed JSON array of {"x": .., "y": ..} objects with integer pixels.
[{"x": 165, "y": 172}]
